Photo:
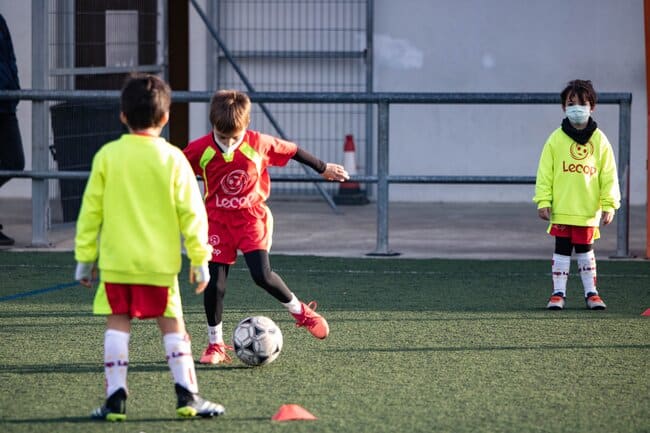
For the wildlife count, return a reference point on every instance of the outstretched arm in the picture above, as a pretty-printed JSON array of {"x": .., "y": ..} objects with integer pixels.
[{"x": 329, "y": 171}]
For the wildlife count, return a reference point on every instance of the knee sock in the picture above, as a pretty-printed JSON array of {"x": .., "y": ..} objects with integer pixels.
[
  {"x": 587, "y": 269},
  {"x": 116, "y": 360},
  {"x": 179, "y": 359},
  {"x": 560, "y": 271}
]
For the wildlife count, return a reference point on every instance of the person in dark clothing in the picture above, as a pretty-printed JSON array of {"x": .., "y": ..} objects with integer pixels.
[{"x": 11, "y": 146}]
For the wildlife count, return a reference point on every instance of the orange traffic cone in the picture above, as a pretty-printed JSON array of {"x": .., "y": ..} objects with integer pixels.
[
  {"x": 350, "y": 192},
  {"x": 292, "y": 412}
]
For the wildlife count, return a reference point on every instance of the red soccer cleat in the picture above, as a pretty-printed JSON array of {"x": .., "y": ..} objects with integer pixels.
[
  {"x": 314, "y": 322},
  {"x": 556, "y": 302},
  {"x": 216, "y": 354},
  {"x": 594, "y": 302}
]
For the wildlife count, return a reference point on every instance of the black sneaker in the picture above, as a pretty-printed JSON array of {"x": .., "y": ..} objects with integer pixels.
[
  {"x": 4, "y": 239},
  {"x": 114, "y": 409},
  {"x": 192, "y": 405}
]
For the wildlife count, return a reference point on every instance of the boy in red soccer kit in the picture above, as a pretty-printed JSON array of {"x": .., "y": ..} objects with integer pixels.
[
  {"x": 576, "y": 189},
  {"x": 140, "y": 197},
  {"x": 233, "y": 161}
]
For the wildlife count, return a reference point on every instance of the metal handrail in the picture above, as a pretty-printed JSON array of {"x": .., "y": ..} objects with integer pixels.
[{"x": 383, "y": 178}]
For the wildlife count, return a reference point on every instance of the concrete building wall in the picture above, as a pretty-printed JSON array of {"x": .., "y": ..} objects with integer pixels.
[
  {"x": 462, "y": 46},
  {"x": 502, "y": 46}
]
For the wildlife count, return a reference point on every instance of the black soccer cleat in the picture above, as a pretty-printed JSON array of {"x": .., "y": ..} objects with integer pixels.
[
  {"x": 192, "y": 405},
  {"x": 114, "y": 409}
]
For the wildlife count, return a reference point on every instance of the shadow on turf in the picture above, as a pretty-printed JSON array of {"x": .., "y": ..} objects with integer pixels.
[
  {"x": 222, "y": 366},
  {"x": 568, "y": 314},
  {"x": 94, "y": 368},
  {"x": 495, "y": 348},
  {"x": 80, "y": 368},
  {"x": 130, "y": 420}
]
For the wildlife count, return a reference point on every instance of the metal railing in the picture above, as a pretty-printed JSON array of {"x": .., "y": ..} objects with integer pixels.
[{"x": 383, "y": 178}]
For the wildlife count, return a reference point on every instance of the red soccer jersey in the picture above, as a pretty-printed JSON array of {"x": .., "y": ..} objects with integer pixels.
[{"x": 238, "y": 180}]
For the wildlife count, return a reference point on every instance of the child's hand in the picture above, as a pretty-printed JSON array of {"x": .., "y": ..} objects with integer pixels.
[
  {"x": 544, "y": 213},
  {"x": 85, "y": 273},
  {"x": 607, "y": 217},
  {"x": 200, "y": 275},
  {"x": 335, "y": 172}
]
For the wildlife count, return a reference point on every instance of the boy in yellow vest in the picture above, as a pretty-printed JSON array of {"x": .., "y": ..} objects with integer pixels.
[
  {"x": 140, "y": 197},
  {"x": 576, "y": 189}
]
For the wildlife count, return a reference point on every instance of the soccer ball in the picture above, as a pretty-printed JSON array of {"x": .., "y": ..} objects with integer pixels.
[{"x": 257, "y": 340}]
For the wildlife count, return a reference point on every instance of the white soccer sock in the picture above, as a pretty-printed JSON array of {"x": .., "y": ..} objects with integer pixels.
[
  {"x": 116, "y": 360},
  {"x": 179, "y": 359},
  {"x": 215, "y": 333},
  {"x": 587, "y": 268},
  {"x": 560, "y": 271},
  {"x": 294, "y": 305}
]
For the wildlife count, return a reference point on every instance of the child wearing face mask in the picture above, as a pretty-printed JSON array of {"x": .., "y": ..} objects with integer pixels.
[{"x": 576, "y": 189}]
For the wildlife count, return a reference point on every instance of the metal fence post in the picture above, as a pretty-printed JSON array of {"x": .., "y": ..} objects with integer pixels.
[
  {"x": 383, "y": 119},
  {"x": 40, "y": 192},
  {"x": 623, "y": 217}
]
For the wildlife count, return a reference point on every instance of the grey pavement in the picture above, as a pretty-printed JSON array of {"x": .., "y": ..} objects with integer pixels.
[{"x": 416, "y": 230}]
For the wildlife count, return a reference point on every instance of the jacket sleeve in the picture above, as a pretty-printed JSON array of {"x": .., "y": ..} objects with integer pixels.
[
  {"x": 191, "y": 152},
  {"x": 192, "y": 217},
  {"x": 91, "y": 214},
  {"x": 544, "y": 180},
  {"x": 610, "y": 193}
]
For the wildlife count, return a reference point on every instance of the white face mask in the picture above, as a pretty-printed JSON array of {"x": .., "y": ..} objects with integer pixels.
[
  {"x": 224, "y": 147},
  {"x": 578, "y": 114}
]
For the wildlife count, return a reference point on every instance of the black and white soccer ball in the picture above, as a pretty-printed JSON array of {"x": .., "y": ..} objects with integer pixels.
[{"x": 257, "y": 340}]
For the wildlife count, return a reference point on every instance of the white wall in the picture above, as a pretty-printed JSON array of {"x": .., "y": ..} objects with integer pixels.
[
  {"x": 18, "y": 17},
  {"x": 461, "y": 46},
  {"x": 502, "y": 46}
]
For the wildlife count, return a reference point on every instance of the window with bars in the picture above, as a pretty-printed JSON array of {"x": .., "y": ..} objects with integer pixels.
[{"x": 298, "y": 46}]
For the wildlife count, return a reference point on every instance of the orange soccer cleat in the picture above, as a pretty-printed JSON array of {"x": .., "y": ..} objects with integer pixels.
[
  {"x": 556, "y": 302},
  {"x": 314, "y": 322},
  {"x": 216, "y": 354},
  {"x": 594, "y": 302}
]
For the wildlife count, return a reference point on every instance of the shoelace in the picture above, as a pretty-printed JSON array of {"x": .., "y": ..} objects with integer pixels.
[
  {"x": 306, "y": 318},
  {"x": 221, "y": 349}
]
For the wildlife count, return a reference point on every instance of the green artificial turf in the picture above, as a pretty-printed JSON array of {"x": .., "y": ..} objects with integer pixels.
[{"x": 415, "y": 346}]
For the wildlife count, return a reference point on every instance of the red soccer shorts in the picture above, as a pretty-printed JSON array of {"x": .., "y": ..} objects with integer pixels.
[
  {"x": 245, "y": 230},
  {"x": 578, "y": 235},
  {"x": 137, "y": 300}
]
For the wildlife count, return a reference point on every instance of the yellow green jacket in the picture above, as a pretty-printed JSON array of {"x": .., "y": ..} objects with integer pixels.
[
  {"x": 576, "y": 181},
  {"x": 140, "y": 197}
]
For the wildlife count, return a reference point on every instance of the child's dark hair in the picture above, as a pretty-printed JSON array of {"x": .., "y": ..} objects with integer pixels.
[
  {"x": 582, "y": 89},
  {"x": 230, "y": 111},
  {"x": 145, "y": 100}
]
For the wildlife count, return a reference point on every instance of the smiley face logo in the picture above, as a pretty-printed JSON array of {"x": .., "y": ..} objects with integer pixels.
[{"x": 581, "y": 151}]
